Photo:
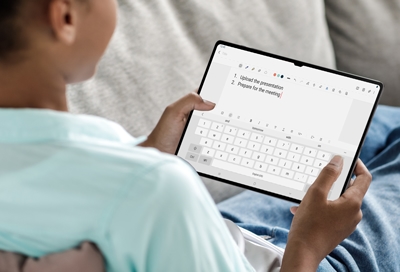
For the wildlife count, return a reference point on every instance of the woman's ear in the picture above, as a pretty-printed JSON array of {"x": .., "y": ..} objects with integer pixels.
[{"x": 63, "y": 20}]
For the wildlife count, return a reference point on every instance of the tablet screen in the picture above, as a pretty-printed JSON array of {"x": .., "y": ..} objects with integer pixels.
[{"x": 277, "y": 122}]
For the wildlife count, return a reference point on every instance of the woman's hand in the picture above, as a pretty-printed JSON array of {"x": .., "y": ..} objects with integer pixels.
[
  {"x": 166, "y": 135},
  {"x": 319, "y": 225}
]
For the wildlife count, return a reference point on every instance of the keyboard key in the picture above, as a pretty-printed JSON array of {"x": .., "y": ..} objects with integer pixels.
[
  {"x": 289, "y": 183},
  {"x": 258, "y": 156},
  {"x": 320, "y": 164},
  {"x": 208, "y": 152},
  {"x": 234, "y": 159},
  {"x": 307, "y": 187},
  {"x": 192, "y": 157},
  {"x": 204, "y": 123},
  {"x": 310, "y": 152},
  {"x": 269, "y": 141},
  {"x": 232, "y": 149},
  {"x": 221, "y": 155},
  {"x": 227, "y": 139},
  {"x": 205, "y": 160},
  {"x": 272, "y": 160},
  {"x": 214, "y": 135},
  {"x": 195, "y": 148},
  {"x": 260, "y": 166},
  {"x": 201, "y": 131},
  {"x": 274, "y": 170},
  {"x": 312, "y": 171},
  {"x": 219, "y": 146},
  {"x": 247, "y": 162},
  {"x": 307, "y": 160},
  {"x": 267, "y": 149},
  {"x": 245, "y": 153},
  {"x": 283, "y": 144},
  {"x": 206, "y": 142},
  {"x": 241, "y": 142},
  {"x": 293, "y": 157},
  {"x": 311, "y": 180},
  {"x": 287, "y": 174},
  {"x": 280, "y": 153},
  {"x": 254, "y": 146},
  {"x": 298, "y": 167},
  {"x": 256, "y": 137},
  {"x": 285, "y": 164},
  {"x": 243, "y": 134},
  {"x": 218, "y": 127},
  {"x": 297, "y": 148},
  {"x": 300, "y": 177},
  {"x": 323, "y": 156},
  {"x": 230, "y": 130}
]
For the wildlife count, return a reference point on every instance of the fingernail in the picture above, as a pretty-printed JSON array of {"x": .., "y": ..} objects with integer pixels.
[
  {"x": 337, "y": 160},
  {"x": 208, "y": 102}
]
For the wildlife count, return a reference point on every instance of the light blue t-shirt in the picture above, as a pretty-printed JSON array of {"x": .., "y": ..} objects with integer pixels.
[{"x": 68, "y": 178}]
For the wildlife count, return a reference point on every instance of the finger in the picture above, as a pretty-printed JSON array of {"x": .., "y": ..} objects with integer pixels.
[
  {"x": 361, "y": 183},
  {"x": 293, "y": 210},
  {"x": 191, "y": 102},
  {"x": 327, "y": 177}
]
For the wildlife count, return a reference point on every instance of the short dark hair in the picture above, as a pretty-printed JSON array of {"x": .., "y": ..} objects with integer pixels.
[
  {"x": 11, "y": 38},
  {"x": 13, "y": 17}
]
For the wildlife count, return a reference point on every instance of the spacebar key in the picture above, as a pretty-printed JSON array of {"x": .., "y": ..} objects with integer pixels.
[{"x": 258, "y": 175}]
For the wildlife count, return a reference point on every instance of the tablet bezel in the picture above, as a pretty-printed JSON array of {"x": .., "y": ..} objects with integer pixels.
[{"x": 297, "y": 63}]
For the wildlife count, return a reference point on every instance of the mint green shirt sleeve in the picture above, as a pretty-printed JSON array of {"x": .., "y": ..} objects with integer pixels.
[
  {"x": 180, "y": 228},
  {"x": 66, "y": 178}
]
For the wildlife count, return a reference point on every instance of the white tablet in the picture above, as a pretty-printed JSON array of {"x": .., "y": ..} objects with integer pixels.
[{"x": 277, "y": 122}]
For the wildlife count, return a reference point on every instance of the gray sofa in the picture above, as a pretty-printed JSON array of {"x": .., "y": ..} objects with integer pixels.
[{"x": 160, "y": 50}]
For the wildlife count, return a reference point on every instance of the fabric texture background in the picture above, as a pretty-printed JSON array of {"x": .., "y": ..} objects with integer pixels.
[
  {"x": 365, "y": 35},
  {"x": 161, "y": 48}
]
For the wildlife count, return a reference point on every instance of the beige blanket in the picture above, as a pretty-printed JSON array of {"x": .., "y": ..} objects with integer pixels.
[{"x": 87, "y": 258}]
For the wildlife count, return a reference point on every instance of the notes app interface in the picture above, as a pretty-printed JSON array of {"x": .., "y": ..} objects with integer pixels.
[{"x": 275, "y": 124}]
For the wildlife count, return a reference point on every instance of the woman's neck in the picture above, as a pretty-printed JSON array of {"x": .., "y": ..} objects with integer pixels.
[{"x": 32, "y": 83}]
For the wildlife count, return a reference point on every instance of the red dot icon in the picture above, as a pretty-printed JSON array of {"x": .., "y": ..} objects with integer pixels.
[{"x": 274, "y": 74}]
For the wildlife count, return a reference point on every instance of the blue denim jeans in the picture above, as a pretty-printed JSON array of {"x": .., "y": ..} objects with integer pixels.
[{"x": 375, "y": 244}]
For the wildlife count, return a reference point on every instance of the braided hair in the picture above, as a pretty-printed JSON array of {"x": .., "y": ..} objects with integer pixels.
[{"x": 11, "y": 38}]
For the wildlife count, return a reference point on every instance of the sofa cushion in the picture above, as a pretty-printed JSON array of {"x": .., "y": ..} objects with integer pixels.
[
  {"x": 161, "y": 48},
  {"x": 365, "y": 35}
]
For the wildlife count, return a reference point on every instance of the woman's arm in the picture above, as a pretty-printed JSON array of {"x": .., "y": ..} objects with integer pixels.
[
  {"x": 166, "y": 135},
  {"x": 319, "y": 225}
]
